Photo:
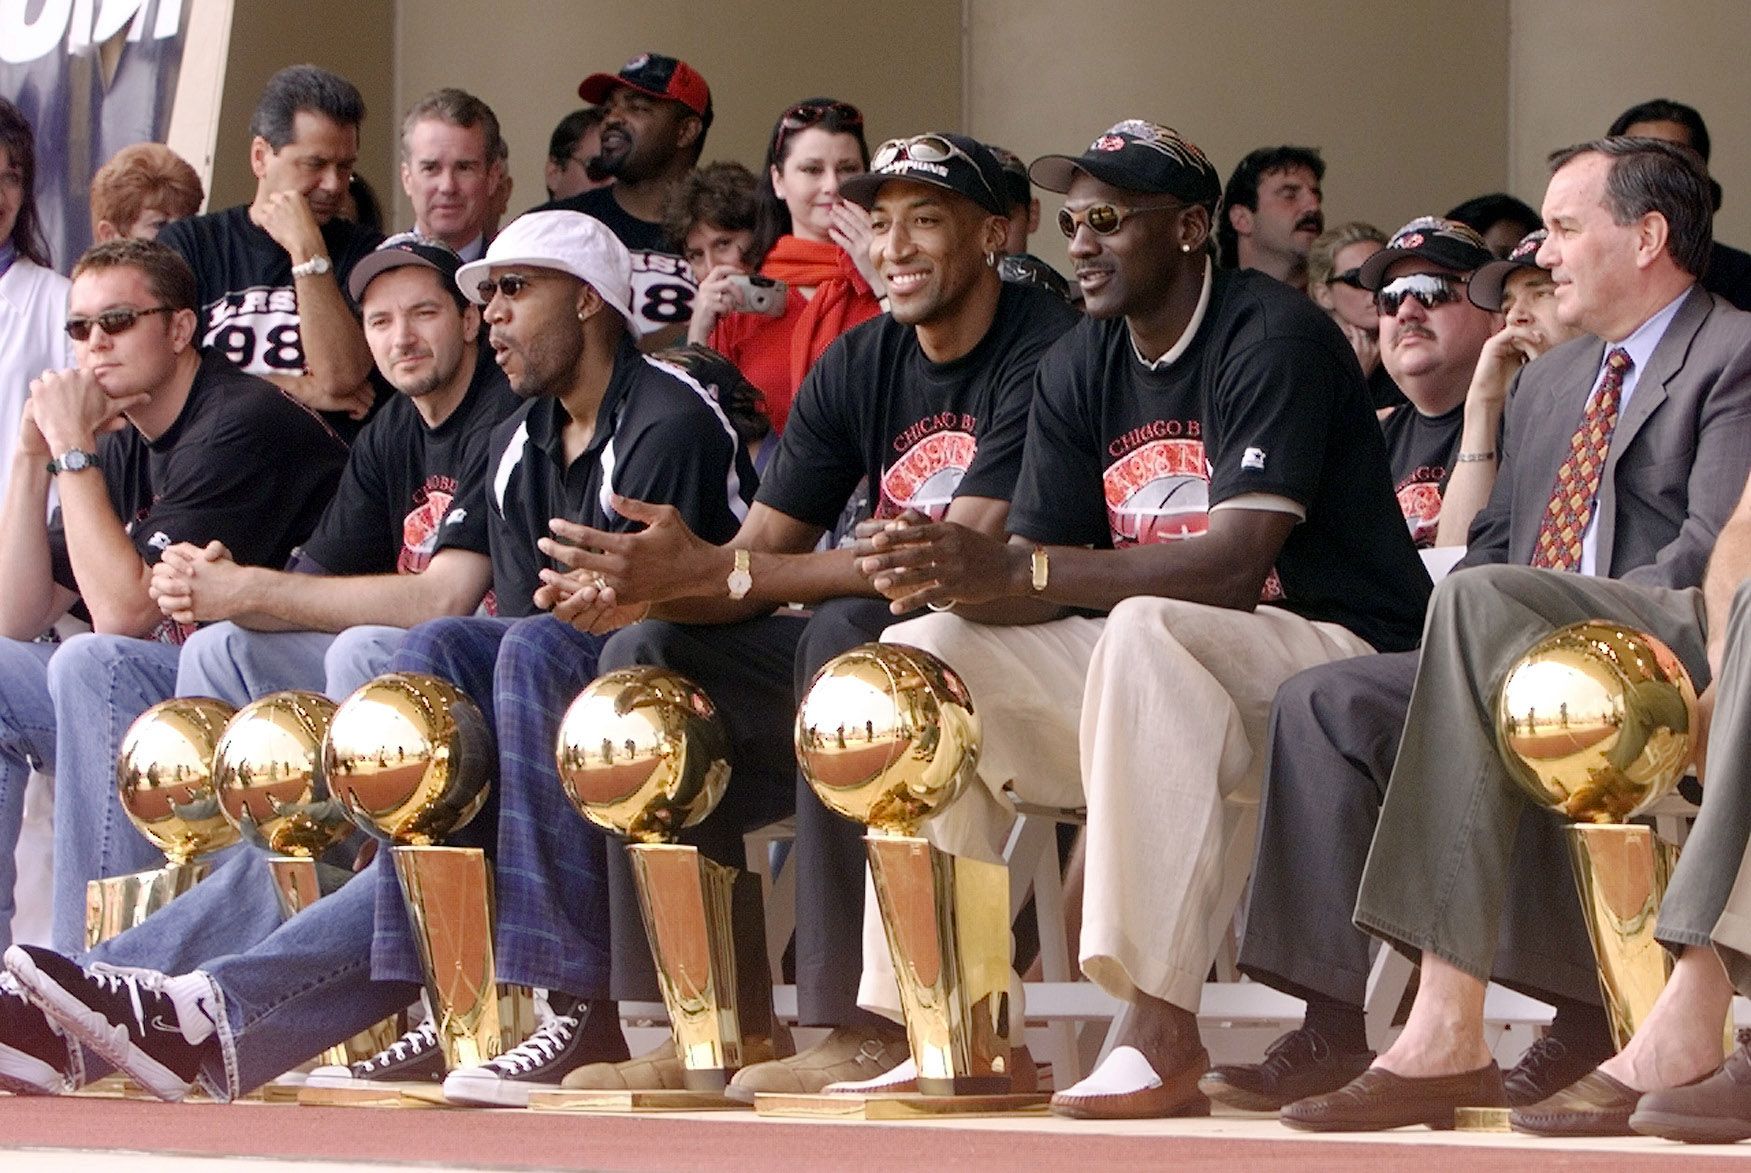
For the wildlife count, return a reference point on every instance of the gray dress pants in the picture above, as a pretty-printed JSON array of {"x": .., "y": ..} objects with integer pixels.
[{"x": 1438, "y": 873}]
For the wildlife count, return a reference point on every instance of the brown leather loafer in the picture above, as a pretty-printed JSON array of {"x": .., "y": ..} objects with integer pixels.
[
  {"x": 1714, "y": 1110},
  {"x": 1594, "y": 1105},
  {"x": 1378, "y": 1100},
  {"x": 1178, "y": 1095}
]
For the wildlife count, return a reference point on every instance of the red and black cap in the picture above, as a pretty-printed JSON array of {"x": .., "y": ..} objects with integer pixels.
[
  {"x": 1447, "y": 243},
  {"x": 1137, "y": 156},
  {"x": 1486, "y": 285},
  {"x": 668, "y": 78}
]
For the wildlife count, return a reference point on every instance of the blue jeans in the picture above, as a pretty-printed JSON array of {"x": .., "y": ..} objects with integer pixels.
[
  {"x": 27, "y": 737},
  {"x": 99, "y": 685},
  {"x": 238, "y": 665},
  {"x": 549, "y": 864}
]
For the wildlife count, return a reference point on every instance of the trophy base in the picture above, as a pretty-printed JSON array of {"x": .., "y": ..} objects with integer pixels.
[
  {"x": 671, "y": 1100},
  {"x": 897, "y": 1105},
  {"x": 1481, "y": 1119},
  {"x": 384, "y": 1095}
]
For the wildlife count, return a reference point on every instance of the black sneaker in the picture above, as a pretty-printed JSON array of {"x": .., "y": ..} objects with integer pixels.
[
  {"x": 413, "y": 1058},
  {"x": 35, "y": 1059},
  {"x": 561, "y": 1045},
  {"x": 1299, "y": 1064},
  {"x": 157, "y": 1028}
]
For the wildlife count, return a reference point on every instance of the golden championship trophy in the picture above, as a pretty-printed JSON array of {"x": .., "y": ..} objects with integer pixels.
[
  {"x": 1595, "y": 724},
  {"x": 269, "y": 775},
  {"x": 642, "y": 753},
  {"x": 887, "y": 735},
  {"x": 164, "y": 778},
  {"x": 410, "y": 758}
]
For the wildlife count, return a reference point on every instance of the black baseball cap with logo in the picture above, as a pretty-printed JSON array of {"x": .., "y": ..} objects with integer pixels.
[
  {"x": 1138, "y": 156},
  {"x": 1486, "y": 285},
  {"x": 1447, "y": 243},
  {"x": 407, "y": 248},
  {"x": 952, "y": 162},
  {"x": 668, "y": 78}
]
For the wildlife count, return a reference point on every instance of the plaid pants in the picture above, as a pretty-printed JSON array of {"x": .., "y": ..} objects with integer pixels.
[{"x": 549, "y": 865}]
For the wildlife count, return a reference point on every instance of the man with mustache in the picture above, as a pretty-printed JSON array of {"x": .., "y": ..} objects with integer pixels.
[
  {"x": 1430, "y": 339},
  {"x": 270, "y": 273},
  {"x": 1203, "y": 509},
  {"x": 1271, "y": 213},
  {"x": 658, "y": 110}
]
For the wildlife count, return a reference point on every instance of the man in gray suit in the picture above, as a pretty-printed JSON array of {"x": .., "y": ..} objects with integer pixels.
[{"x": 1630, "y": 229}]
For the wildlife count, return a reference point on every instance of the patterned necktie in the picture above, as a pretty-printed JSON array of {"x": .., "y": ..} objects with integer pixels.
[{"x": 1577, "y": 481}]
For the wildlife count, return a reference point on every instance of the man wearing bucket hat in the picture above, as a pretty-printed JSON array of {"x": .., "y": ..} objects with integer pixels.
[
  {"x": 929, "y": 405},
  {"x": 1223, "y": 406},
  {"x": 599, "y": 419}
]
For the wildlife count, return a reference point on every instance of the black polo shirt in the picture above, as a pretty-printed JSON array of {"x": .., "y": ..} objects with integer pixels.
[{"x": 660, "y": 437}]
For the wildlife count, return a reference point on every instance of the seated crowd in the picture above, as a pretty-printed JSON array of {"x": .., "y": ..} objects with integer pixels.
[{"x": 1170, "y": 521}]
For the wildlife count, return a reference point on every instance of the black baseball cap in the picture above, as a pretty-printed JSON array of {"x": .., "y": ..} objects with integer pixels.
[
  {"x": 668, "y": 78},
  {"x": 1017, "y": 188},
  {"x": 1486, "y": 285},
  {"x": 1447, "y": 243},
  {"x": 1137, "y": 156},
  {"x": 952, "y": 162},
  {"x": 408, "y": 248}
]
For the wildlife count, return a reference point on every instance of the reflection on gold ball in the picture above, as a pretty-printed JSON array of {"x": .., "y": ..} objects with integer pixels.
[
  {"x": 887, "y": 735},
  {"x": 269, "y": 774},
  {"x": 164, "y": 776},
  {"x": 409, "y": 757},
  {"x": 1595, "y": 721},
  {"x": 643, "y": 753}
]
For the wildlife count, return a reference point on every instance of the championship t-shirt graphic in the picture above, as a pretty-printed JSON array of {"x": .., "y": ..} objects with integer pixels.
[
  {"x": 257, "y": 329},
  {"x": 1159, "y": 490},
  {"x": 419, "y": 529},
  {"x": 935, "y": 453},
  {"x": 1419, "y": 499}
]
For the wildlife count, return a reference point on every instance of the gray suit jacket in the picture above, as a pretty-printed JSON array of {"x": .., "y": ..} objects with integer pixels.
[{"x": 1678, "y": 459}]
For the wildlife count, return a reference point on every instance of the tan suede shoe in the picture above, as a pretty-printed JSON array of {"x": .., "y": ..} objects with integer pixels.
[
  {"x": 658, "y": 1069},
  {"x": 847, "y": 1053}
]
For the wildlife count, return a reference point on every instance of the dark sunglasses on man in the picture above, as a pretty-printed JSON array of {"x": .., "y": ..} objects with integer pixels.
[
  {"x": 1430, "y": 290},
  {"x": 116, "y": 321}
]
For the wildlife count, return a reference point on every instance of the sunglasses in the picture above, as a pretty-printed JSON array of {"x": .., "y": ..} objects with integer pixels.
[
  {"x": 1350, "y": 277},
  {"x": 805, "y": 114},
  {"x": 510, "y": 285},
  {"x": 1430, "y": 290},
  {"x": 116, "y": 321},
  {"x": 1105, "y": 219},
  {"x": 930, "y": 148}
]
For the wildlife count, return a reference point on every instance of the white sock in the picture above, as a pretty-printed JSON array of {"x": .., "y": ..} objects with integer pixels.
[
  {"x": 1122, "y": 1072},
  {"x": 197, "y": 1009}
]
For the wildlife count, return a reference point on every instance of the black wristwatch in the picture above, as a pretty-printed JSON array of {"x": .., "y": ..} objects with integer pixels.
[{"x": 72, "y": 460}]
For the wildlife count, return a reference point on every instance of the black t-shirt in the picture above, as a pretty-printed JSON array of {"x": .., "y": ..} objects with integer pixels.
[
  {"x": 660, "y": 437},
  {"x": 921, "y": 432},
  {"x": 662, "y": 281},
  {"x": 1729, "y": 274},
  {"x": 248, "y": 300},
  {"x": 244, "y": 464},
  {"x": 1268, "y": 398},
  {"x": 405, "y": 483},
  {"x": 1382, "y": 391},
  {"x": 1419, "y": 452}
]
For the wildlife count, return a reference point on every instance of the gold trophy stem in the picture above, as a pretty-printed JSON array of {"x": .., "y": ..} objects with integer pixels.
[
  {"x": 947, "y": 921},
  {"x": 690, "y": 907},
  {"x": 448, "y": 893},
  {"x": 115, "y": 904},
  {"x": 1621, "y": 870}
]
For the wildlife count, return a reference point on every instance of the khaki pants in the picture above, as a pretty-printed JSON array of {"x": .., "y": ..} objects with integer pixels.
[{"x": 1155, "y": 718}]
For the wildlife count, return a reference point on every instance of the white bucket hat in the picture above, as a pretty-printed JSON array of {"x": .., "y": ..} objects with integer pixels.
[{"x": 569, "y": 242}]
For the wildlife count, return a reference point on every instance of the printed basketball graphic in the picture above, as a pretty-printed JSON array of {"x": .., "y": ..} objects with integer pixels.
[
  {"x": 1158, "y": 493},
  {"x": 419, "y": 532},
  {"x": 926, "y": 476},
  {"x": 1420, "y": 502}
]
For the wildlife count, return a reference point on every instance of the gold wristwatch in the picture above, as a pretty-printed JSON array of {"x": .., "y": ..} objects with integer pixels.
[
  {"x": 740, "y": 581},
  {"x": 1042, "y": 568}
]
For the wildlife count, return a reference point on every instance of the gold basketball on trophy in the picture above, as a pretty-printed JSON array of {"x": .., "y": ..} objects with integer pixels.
[
  {"x": 643, "y": 753},
  {"x": 1595, "y": 721},
  {"x": 887, "y": 736},
  {"x": 270, "y": 778},
  {"x": 409, "y": 757},
  {"x": 164, "y": 777}
]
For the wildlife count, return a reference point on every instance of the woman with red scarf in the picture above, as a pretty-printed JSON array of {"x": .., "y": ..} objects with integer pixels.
[{"x": 809, "y": 238}]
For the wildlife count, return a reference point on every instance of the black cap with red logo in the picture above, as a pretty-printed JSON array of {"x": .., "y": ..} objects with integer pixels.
[{"x": 668, "y": 78}]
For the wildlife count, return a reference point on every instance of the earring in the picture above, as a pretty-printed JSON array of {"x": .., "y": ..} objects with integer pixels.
[
  {"x": 991, "y": 260},
  {"x": 1185, "y": 248}
]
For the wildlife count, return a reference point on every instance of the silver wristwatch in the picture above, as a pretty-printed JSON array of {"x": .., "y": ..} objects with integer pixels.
[
  {"x": 314, "y": 267},
  {"x": 72, "y": 460}
]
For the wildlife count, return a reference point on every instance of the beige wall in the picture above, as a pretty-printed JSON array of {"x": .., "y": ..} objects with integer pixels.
[
  {"x": 1359, "y": 79},
  {"x": 266, "y": 38},
  {"x": 1577, "y": 64},
  {"x": 527, "y": 58}
]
